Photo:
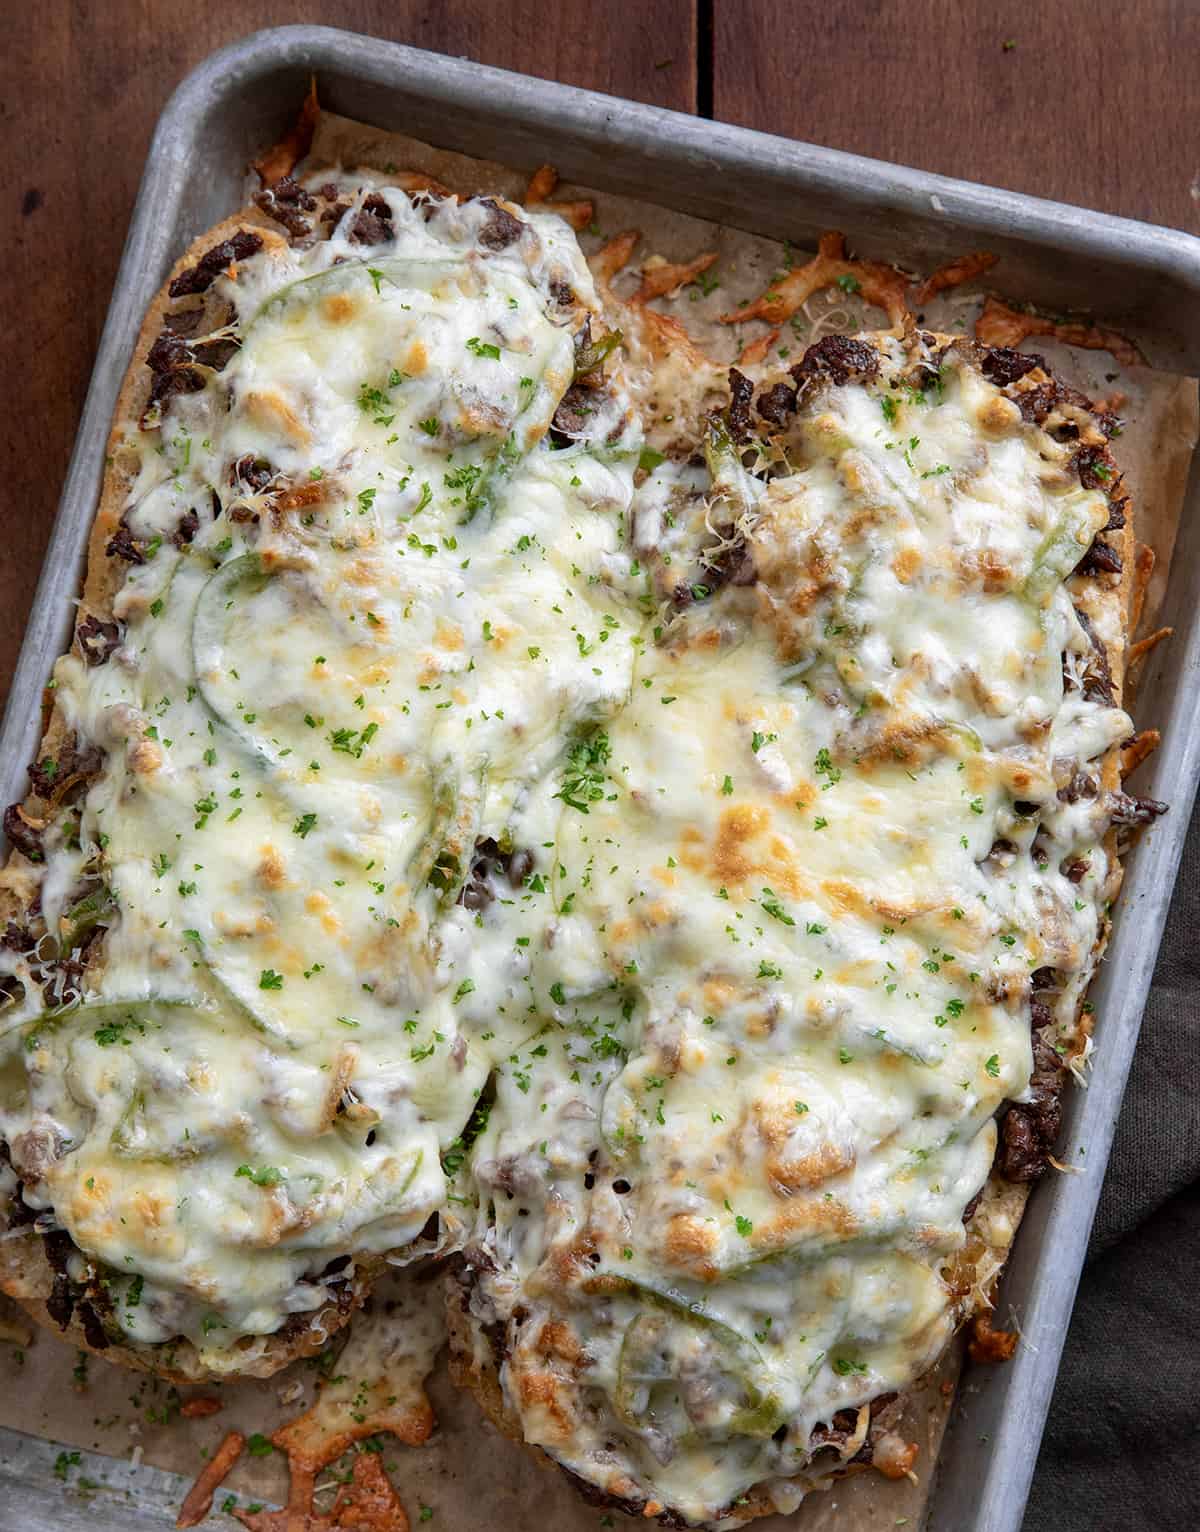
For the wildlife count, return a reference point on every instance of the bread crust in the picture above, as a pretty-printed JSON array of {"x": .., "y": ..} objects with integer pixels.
[
  {"x": 973, "y": 1273},
  {"x": 25, "y": 1272}
]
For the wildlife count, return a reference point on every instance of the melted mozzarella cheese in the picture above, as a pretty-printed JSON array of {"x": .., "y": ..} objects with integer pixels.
[
  {"x": 762, "y": 1159},
  {"x": 368, "y": 660},
  {"x": 412, "y": 789}
]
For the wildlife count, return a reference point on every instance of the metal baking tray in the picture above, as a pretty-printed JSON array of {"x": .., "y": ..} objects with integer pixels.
[{"x": 1144, "y": 279}]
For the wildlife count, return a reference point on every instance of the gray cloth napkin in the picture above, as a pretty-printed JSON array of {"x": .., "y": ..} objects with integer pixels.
[{"x": 1122, "y": 1444}]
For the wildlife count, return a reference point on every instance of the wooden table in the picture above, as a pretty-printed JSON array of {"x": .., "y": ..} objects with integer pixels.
[{"x": 1079, "y": 101}]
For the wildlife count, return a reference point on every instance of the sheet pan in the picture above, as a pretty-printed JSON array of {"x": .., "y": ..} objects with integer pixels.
[{"x": 1142, "y": 279}]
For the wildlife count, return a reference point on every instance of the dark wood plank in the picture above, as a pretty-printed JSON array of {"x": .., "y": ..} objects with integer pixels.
[
  {"x": 81, "y": 86},
  {"x": 1089, "y": 104}
]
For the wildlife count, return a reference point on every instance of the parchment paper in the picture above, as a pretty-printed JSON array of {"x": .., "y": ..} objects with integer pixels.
[{"x": 466, "y": 1476}]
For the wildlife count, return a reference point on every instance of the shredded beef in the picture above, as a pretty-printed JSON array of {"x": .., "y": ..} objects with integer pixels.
[
  {"x": 1099, "y": 559},
  {"x": 488, "y": 861},
  {"x": 372, "y": 224},
  {"x": 838, "y": 358},
  {"x": 289, "y": 190},
  {"x": 93, "y": 1327},
  {"x": 734, "y": 565},
  {"x": 1127, "y": 810},
  {"x": 835, "y": 1433},
  {"x": 215, "y": 353},
  {"x": 189, "y": 525},
  {"x": 1030, "y": 1129},
  {"x": 1097, "y": 680},
  {"x": 1093, "y": 467},
  {"x": 252, "y": 473},
  {"x": 171, "y": 354},
  {"x": 45, "y": 775},
  {"x": 1081, "y": 785},
  {"x": 200, "y": 277},
  {"x": 166, "y": 385},
  {"x": 741, "y": 391},
  {"x": 169, "y": 350},
  {"x": 184, "y": 321},
  {"x": 97, "y": 639},
  {"x": 520, "y": 865},
  {"x": 60, "y": 1305},
  {"x": 1003, "y": 365},
  {"x": 15, "y": 938},
  {"x": 604, "y": 1501},
  {"x": 1036, "y": 403},
  {"x": 287, "y": 202},
  {"x": 571, "y": 416},
  {"x": 1116, "y": 516},
  {"x": 500, "y": 229},
  {"x": 123, "y": 545},
  {"x": 777, "y": 403},
  {"x": 1109, "y": 423},
  {"x": 58, "y": 1248},
  {"x": 21, "y": 835},
  {"x": 72, "y": 968}
]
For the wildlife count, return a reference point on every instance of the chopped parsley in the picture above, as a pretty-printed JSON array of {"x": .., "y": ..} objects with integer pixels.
[
  {"x": 118, "y": 1032},
  {"x": 770, "y": 903},
  {"x": 267, "y": 1175},
  {"x": 353, "y": 741},
  {"x": 586, "y": 774},
  {"x": 824, "y": 767}
]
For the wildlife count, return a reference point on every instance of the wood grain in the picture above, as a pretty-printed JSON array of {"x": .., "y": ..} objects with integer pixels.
[
  {"x": 1084, "y": 102},
  {"x": 81, "y": 86},
  {"x": 1093, "y": 104}
]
